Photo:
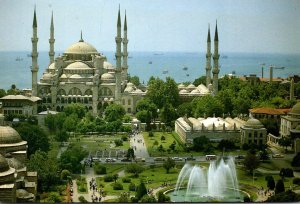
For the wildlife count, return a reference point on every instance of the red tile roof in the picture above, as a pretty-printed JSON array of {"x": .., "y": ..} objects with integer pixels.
[{"x": 269, "y": 111}]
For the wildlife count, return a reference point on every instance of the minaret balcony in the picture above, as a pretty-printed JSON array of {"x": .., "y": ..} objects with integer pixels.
[
  {"x": 34, "y": 40},
  {"x": 125, "y": 41},
  {"x": 51, "y": 40},
  {"x": 118, "y": 39}
]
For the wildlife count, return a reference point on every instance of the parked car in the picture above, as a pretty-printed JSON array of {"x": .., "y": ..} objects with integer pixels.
[
  {"x": 126, "y": 160},
  {"x": 159, "y": 159},
  {"x": 240, "y": 157},
  {"x": 177, "y": 158},
  {"x": 110, "y": 160},
  {"x": 190, "y": 159},
  {"x": 277, "y": 156}
]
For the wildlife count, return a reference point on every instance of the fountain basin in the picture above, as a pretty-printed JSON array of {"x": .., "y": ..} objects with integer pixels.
[{"x": 230, "y": 195}]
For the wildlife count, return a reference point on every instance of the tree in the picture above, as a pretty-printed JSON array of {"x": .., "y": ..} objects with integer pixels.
[
  {"x": 124, "y": 197},
  {"x": 226, "y": 98},
  {"x": 65, "y": 174},
  {"x": 296, "y": 160},
  {"x": 200, "y": 80},
  {"x": 135, "y": 169},
  {"x": 251, "y": 162},
  {"x": 161, "y": 198},
  {"x": 50, "y": 122},
  {"x": 115, "y": 177},
  {"x": 72, "y": 157},
  {"x": 147, "y": 106},
  {"x": 270, "y": 182},
  {"x": 148, "y": 199},
  {"x": 62, "y": 136},
  {"x": 185, "y": 109},
  {"x": 207, "y": 105},
  {"x": 144, "y": 116},
  {"x": 75, "y": 108},
  {"x": 263, "y": 155},
  {"x": 279, "y": 186},
  {"x": 35, "y": 136},
  {"x": 284, "y": 197},
  {"x": 202, "y": 144},
  {"x": 161, "y": 148},
  {"x": 114, "y": 112},
  {"x": 168, "y": 114},
  {"x": 226, "y": 144},
  {"x": 135, "y": 80},
  {"x": 2, "y": 93},
  {"x": 168, "y": 164},
  {"x": 53, "y": 197},
  {"x": 70, "y": 123},
  {"x": 141, "y": 190},
  {"x": 285, "y": 142},
  {"x": 130, "y": 153},
  {"x": 172, "y": 146},
  {"x": 46, "y": 169}
]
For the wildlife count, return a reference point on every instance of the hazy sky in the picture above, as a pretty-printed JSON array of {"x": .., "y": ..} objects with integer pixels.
[{"x": 155, "y": 25}]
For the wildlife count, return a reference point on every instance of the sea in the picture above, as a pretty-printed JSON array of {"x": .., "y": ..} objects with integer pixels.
[{"x": 181, "y": 66}]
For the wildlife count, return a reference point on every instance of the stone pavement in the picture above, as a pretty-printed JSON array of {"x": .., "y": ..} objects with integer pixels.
[{"x": 141, "y": 149}]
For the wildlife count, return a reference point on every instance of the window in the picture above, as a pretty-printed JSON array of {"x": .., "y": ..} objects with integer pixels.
[
  {"x": 129, "y": 102},
  {"x": 129, "y": 110},
  {"x": 123, "y": 101},
  {"x": 255, "y": 134},
  {"x": 249, "y": 135}
]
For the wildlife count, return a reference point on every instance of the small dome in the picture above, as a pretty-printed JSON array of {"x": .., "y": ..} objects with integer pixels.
[
  {"x": 195, "y": 91},
  {"x": 111, "y": 99},
  {"x": 295, "y": 110},
  {"x": 181, "y": 86},
  {"x": 14, "y": 163},
  {"x": 77, "y": 65},
  {"x": 129, "y": 88},
  {"x": 105, "y": 99},
  {"x": 253, "y": 123},
  {"x": 129, "y": 84},
  {"x": 183, "y": 91},
  {"x": 47, "y": 76},
  {"x": 52, "y": 66},
  {"x": 107, "y": 65},
  {"x": 107, "y": 77},
  {"x": 3, "y": 164},
  {"x": 81, "y": 48},
  {"x": 191, "y": 86},
  {"x": 63, "y": 76},
  {"x": 21, "y": 193},
  {"x": 75, "y": 76},
  {"x": 9, "y": 135}
]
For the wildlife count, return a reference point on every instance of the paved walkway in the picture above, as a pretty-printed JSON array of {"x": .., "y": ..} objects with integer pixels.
[{"x": 141, "y": 149}]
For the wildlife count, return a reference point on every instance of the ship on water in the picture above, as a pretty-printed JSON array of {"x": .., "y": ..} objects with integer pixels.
[
  {"x": 165, "y": 71},
  {"x": 185, "y": 68},
  {"x": 19, "y": 59}
]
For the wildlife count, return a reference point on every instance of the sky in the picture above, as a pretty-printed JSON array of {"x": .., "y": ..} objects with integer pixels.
[{"x": 260, "y": 26}]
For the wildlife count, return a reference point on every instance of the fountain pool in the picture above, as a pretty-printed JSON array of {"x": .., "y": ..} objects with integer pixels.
[{"x": 217, "y": 183}]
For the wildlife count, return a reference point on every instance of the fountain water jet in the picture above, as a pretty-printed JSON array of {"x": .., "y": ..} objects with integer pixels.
[{"x": 211, "y": 183}]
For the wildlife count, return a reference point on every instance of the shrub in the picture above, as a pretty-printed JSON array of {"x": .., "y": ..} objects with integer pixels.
[
  {"x": 117, "y": 186},
  {"x": 108, "y": 178},
  {"x": 124, "y": 138},
  {"x": 99, "y": 169},
  {"x": 151, "y": 134},
  {"x": 296, "y": 181},
  {"x": 126, "y": 180},
  {"x": 162, "y": 138},
  {"x": 119, "y": 142},
  {"x": 65, "y": 174},
  {"x": 82, "y": 199},
  {"x": 131, "y": 187}
]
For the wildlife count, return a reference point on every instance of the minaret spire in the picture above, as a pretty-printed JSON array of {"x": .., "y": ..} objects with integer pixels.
[
  {"x": 208, "y": 59},
  {"x": 81, "y": 39},
  {"x": 34, "y": 56},
  {"x": 51, "y": 41},
  {"x": 216, "y": 56},
  {"x": 118, "y": 55},
  {"x": 125, "y": 53}
]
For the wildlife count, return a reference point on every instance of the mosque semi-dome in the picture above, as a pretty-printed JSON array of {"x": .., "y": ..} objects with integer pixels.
[
  {"x": 81, "y": 47},
  {"x": 47, "y": 76},
  {"x": 9, "y": 135},
  {"x": 3, "y": 164},
  {"x": 253, "y": 123},
  {"x": 77, "y": 65},
  {"x": 107, "y": 77},
  {"x": 295, "y": 110}
]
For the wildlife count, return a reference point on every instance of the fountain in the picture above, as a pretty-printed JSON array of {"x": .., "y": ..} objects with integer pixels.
[{"x": 199, "y": 184}]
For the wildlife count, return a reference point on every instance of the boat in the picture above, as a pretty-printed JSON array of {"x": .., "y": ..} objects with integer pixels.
[
  {"x": 187, "y": 75},
  {"x": 19, "y": 59},
  {"x": 129, "y": 57},
  {"x": 185, "y": 68},
  {"x": 279, "y": 67},
  {"x": 165, "y": 71},
  {"x": 224, "y": 56},
  {"x": 150, "y": 62},
  {"x": 28, "y": 55},
  {"x": 158, "y": 54}
]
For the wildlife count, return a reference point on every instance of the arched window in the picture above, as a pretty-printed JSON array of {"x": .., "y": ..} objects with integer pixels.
[
  {"x": 45, "y": 91},
  {"x": 75, "y": 91},
  {"x": 88, "y": 92},
  {"x": 61, "y": 92},
  {"x": 106, "y": 92}
]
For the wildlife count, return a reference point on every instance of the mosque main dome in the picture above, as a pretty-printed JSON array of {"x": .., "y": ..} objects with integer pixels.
[
  {"x": 81, "y": 47},
  {"x": 9, "y": 135},
  {"x": 254, "y": 123},
  {"x": 295, "y": 110}
]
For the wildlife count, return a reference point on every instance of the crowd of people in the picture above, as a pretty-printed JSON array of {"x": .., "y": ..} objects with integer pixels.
[{"x": 94, "y": 188}]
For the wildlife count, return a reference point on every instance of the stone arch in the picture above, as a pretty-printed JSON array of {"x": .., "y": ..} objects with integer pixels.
[
  {"x": 99, "y": 106},
  {"x": 62, "y": 100},
  {"x": 69, "y": 100},
  {"x": 88, "y": 92},
  {"x": 62, "y": 108},
  {"x": 106, "y": 92},
  {"x": 44, "y": 108},
  {"x": 61, "y": 92},
  {"x": 75, "y": 91},
  {"x": 58, "y": 100},
  {"x": 58, "y": 109},
  {"x": 44, "y": 100},
  {"x": 90, "y": 108},
  {"x": 48, "y": 100},
  {"x": 45, "y": 91},
  {"x": 105, "y": 104}
]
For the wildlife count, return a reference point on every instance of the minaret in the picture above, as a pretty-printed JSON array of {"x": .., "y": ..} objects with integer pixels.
[
  {"x": 118, "y": 61},
  {"x": 125, "y": 53},
  {"x": 208, "y": 59},
  {"x": 292, "y": 89},
  {"x": 34, "y": 56},
  {"x": 216, "y": 56},
  {"x": 51, "y": 41}
]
